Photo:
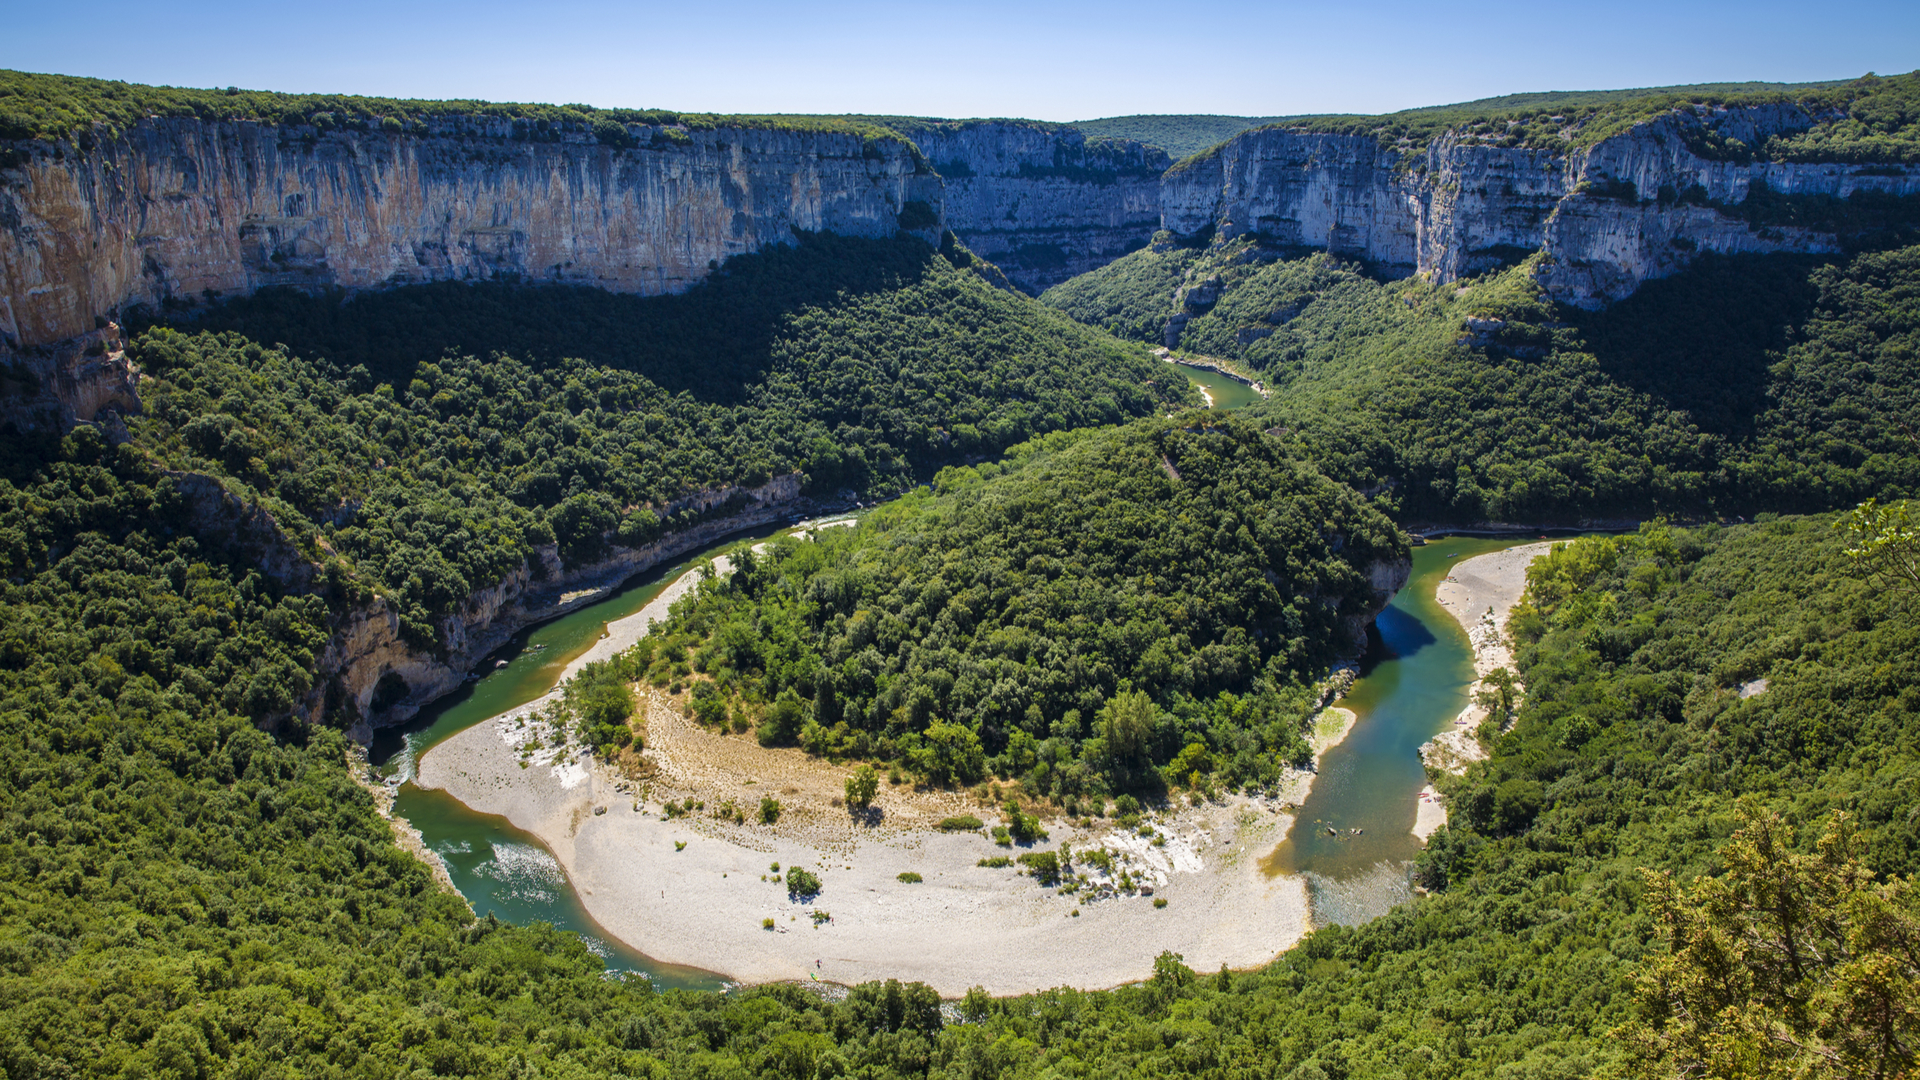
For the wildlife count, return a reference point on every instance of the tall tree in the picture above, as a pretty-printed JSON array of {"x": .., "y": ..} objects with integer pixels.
[{"x": 1788, "y": 965}]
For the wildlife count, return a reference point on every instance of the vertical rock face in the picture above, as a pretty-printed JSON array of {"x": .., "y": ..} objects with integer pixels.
[
  {"x": 174, "y": 209},
  {"x": 370, "y": 671},
  {"x": 1044, "y": 203},
  {"x": 1635, "y": 206},
  {"x": 1336, "y": 192}
]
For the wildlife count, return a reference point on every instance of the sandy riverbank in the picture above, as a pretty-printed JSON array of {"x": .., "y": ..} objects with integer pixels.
[
  {"x": 1480, "y": 594},
  {"x": 963, "y": 925},
  {"x": 702, "y": 904}
]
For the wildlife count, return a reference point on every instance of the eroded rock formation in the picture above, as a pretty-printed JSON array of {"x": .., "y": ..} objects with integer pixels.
[
  {"x": 173, "y": 211},
  {"x": 1633, "y": 207},
  {"x": 1042, "y": 201}
]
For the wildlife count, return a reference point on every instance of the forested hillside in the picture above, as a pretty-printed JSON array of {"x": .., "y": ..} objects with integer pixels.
[
  {"x": 1179, "y": 136},
  {"x": 185, "y": 896},
  {"x": 387, "y": 439},
  {"x": 1869, "y": 119},
  {"x": 1098, "y": 606},
  {"x": 1742, "y": 384},
  {"x": 1072, "y": 588}
]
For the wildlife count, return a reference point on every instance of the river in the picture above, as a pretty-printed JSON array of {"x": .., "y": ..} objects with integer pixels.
[
  {"x": 1412, "y": 685},
  {"x": 499, "y": 868},
  {"x": 1223, "y": 392},
  {"x": 1410, "y": 689}
]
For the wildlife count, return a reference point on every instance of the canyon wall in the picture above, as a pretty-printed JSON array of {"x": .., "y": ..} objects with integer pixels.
[
  {"x": 1636, "y": 206},
  {"x": 173, "y": 211},
  {"x": 367, "y": 669},
  {"x": 1043, "y": 202},
  {"x": 370, "y": 671}
]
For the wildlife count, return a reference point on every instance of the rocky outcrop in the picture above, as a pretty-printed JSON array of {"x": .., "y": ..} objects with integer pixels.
[
  {"x": 81, "y": 379},
  {"x": 369, "y": 670},
  {"x": 1385, "y": 577},
  {"x": 1636, "y": 206},
  {"x": 174, "y": 211},
  {"x": 1043, "y": 202}
]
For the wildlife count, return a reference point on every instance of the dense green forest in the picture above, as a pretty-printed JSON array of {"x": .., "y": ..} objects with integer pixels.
[
  {"x": 34, "y": 106},
  {"x": 384, "y": 438},
  {"x": 1872, "y": 119},
  {"x": 1088, "y": 594},
  {"x": 182, "y": 895},
  {"x": 1741, "y": 384},
  {"x": 1179, "y": 136},
  {"x": 1103, "y": 611}
]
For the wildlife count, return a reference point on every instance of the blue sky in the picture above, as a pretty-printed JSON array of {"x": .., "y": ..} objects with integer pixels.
[{"x": 1059, "y": 61}]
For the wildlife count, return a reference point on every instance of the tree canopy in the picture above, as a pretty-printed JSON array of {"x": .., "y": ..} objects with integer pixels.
[
  {"x": 1099, "y": 604},
  {"x": 1740, "y": 385},
  {"x": 385, "y": 442}
]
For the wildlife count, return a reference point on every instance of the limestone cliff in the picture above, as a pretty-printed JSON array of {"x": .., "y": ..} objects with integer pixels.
[
  {"x": 1041, "y": 201},
  {"x": 1385, "y": 579},
  {"x": 1632, "y": 207},
  {"x": 369, "y": 670},
  {"x": 174, "y": 210},
  {"x": 81, "y": 379}
]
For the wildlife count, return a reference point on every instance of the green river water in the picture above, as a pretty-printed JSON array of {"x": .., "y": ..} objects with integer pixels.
[
  {"x": 1410, "y": 690},
  {"x": 499, "y": 868},
  {"x": 1412, "y": 686},
  {"x": 1226, "y": 393}
]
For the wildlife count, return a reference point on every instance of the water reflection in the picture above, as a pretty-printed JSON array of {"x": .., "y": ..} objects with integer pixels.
[
  {"x": 1397, "y": 635},
  {"x": 1353, "y": 837},
  {"x": 1224, "y": 393}
]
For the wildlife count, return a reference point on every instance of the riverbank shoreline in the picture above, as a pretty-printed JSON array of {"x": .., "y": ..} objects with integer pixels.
[
  {"x": 693, "y": 888},
  {"x": 1215, "y": 366},
  {"x": 1480, "y": 594}
]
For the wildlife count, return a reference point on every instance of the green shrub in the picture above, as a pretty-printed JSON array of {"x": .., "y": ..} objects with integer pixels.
[
  {"x": 908, "y": 877},
  {"x": 962, "y": 823},
  {"x": 802, "y": 884},
  {"x": 1043, "y": 865},
  {"x": 862, "y": 786}
]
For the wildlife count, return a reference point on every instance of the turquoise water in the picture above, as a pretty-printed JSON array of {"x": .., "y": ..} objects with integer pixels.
[
  {"x": 499, "y": 868},
  {"x": 1412, "y": 685},
  {"x": 1226, "y": 393}
]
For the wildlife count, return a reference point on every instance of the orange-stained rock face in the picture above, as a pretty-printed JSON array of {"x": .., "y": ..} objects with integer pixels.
[{"x": 173, "y": 209}]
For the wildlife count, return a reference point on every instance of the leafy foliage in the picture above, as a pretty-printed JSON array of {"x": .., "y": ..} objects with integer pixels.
[
  {"x": 1883, "y": 540},
  {"x": 802, "y": 883},
  {"x": 1075, "y": 616},
  {"x": 430, "y": 472},
  {"x": 1740, "y": 384},
  {"x": 34, "y": 106},
  {"x": 1789, "y": 965},
  {"x": 862, "y": 786},
  {"x": 180, "y": 891}
]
